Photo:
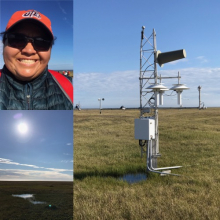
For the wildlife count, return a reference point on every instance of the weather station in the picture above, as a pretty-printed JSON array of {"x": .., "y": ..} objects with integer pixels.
[
  {"x": 100, "y": 104},
  {"x": 151, "y": 96}
]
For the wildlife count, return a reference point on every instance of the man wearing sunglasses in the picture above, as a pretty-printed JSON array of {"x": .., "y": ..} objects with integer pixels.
[{"x": 25, "y": 81}]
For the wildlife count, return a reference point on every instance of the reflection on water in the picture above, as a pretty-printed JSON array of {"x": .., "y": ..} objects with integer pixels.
[
  {"x": 134, "y": 178},
  {"x": 37, "y": 202},
  {"x": 29, "y": 197},
  {"x": 24, "y": 196}
]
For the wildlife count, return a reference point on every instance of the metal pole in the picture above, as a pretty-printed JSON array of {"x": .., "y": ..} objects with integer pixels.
[
  {"x": 100, "y": 105},
  {"x": 155, "y": 147},
  {"x": 141, "y": 80},
  {"x": 199, "y": 88}
]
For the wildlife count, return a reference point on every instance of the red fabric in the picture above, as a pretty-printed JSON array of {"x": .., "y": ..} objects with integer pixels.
[{"x": 63, "y": 81}]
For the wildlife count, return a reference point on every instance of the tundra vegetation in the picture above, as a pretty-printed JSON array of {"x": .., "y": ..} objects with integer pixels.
[
  {"x": 105, "y": 149},
  {"x": 58, "y": 198}
]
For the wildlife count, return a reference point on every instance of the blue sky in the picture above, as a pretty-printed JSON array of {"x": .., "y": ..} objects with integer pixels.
[
  {"x": 107, "y": 49},
  {"x": 61, "y": 15},
  {"x": 41, "y": 152}
]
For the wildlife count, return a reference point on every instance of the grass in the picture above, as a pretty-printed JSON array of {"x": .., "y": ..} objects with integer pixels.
[
  {"x": 57, "y": 194},
  {"x": 105, "y": 149}
]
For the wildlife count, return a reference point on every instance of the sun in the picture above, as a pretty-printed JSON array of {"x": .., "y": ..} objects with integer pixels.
[{"x": 23, "y": 128}]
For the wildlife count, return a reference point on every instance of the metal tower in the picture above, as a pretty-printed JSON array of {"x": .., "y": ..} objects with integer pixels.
[
  {"x": 149, "y": 100},
  {"x": 148, "y": 76}
]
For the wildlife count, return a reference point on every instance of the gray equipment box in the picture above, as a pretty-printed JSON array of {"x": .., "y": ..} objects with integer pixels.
[{"x": 144, "y": 129}]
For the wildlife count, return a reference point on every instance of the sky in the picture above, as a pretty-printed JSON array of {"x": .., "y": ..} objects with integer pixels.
[
  {"x": 36, "y": 145},
  {"x": 107, "y": 36},
  {"x": 60, "y": 12}
]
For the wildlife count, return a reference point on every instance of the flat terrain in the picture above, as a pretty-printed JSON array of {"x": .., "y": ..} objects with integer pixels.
[
  {"x": 57, "y": 194},
  {"x": 105, "y": 149}
]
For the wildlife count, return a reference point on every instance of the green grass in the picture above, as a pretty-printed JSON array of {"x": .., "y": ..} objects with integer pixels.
[
  {"x": 57, "y": 194},
  {"x": 105, "y": 148}
]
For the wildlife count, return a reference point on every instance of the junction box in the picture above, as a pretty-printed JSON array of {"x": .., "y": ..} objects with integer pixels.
[{"x": 144, "y": 128}]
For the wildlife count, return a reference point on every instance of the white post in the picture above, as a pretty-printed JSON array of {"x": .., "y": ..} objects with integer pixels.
[
  {"x": 179, "y": 97},
  {"x": 161, "y": 98}
]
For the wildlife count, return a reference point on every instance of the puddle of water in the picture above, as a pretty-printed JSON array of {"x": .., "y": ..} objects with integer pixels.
[
  {"x": 24, "y": 196},
  {"x": 29, "y": 197},
  {"x": 134, "y": 178}
]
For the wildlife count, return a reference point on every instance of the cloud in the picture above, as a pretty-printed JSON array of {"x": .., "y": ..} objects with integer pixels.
[
  {"x": 66, "y": 154},
  {"x": 202, "y": 59},
  {"x": 30, "y": 175},
  {"x": 66, "y": 161},
  {"x": 59, "y": 170},
  {"x": 61, "y": 8},
  {"x": 122, "y": 88},
  {"x": 65, "y": 13},
  {"x": 69, "y": 144},
  {"x": 114, "y": 87},
  {"x": 45, "y": 173},
  {"x": 10, "y": 162}
]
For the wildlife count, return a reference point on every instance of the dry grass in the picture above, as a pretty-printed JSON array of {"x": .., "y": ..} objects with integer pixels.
[{"x": 105, "y": 148}]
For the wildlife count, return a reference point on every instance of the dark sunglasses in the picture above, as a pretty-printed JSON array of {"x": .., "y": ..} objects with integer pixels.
[{"x": 20, "y": 41}]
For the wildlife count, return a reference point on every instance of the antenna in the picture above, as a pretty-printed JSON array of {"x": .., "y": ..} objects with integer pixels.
[{"x": 146, "y": 127}]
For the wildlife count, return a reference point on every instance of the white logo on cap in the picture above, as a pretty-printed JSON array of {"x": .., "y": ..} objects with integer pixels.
[{"x": 31, "y": 14}]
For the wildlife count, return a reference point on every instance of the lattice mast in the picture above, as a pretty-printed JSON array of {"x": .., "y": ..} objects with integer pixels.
[
  {"x": 146, "y": 128},
  {"x": 148, "y": 76}
]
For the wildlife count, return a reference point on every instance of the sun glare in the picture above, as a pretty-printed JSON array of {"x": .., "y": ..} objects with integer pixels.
[{"x": 23, "y": 128}]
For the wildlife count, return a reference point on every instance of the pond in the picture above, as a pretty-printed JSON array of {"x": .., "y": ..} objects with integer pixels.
[{"x": 134, "y": 178}]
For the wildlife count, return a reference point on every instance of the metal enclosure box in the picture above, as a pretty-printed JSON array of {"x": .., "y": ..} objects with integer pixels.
[{"x": 144, "y": 129}]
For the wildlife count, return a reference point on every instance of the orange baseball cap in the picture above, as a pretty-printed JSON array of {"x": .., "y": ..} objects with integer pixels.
[{"x": 20, "y": 16}]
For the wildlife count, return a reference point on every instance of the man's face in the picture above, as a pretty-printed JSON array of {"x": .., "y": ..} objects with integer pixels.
[{"x": 26, "y": 64}]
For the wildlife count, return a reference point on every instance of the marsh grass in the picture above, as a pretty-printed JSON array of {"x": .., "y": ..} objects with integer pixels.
[
  {"x": 58, "y": 194},
  {"x": 105, "y": 149}
]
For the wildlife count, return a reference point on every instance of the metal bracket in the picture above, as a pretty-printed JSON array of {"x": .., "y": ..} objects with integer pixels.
[{"x": 149, "y": 162}]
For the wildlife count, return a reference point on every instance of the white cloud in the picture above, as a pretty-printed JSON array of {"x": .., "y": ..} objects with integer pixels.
[
  {"x": 61, "y": 8},
  {"x": 114, "y": 87},
  {"x": 30, "y": 175},
  {"x": 59, "y": 170},
  {"x": 202, "y": 59},
  {"x": 34, "y": 174},
  {"x": 8, "y": 161},
  {"x": 66, "y": 161},
  {"x": 65, "y": 13},
  {"x": 122, "y": 88},
  {"x": 66, "y": 154}
]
